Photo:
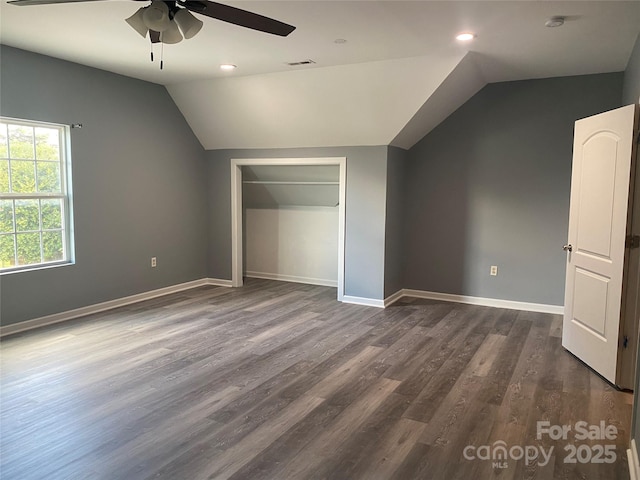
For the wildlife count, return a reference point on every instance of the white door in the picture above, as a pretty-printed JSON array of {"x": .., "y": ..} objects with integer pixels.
[{"x": 600, "y": 177}]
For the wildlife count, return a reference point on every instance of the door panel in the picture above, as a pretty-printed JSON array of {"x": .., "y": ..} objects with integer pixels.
[
  {"x": 597, "y": 228},
  {"x": 597, "y": 192},
  {"x": 590, "y": 301}
]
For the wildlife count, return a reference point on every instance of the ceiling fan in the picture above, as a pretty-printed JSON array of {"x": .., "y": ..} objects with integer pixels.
[{"x": 168, "y": 21}]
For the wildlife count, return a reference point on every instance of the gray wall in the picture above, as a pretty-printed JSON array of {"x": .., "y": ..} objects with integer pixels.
[
  {"x": 490, "y": 186},
  {"x": 139, "y": 185},
  {"x": 365, "y": 212},
  {"x": 394, "y": 228},
  {"x": 631, "y": 88}
]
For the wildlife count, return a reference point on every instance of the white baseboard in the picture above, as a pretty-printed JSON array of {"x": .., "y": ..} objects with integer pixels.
[
  {"x": 101, "y": 307},
  {"x": 391, "y": 299},
  {"x": 634, "y": 463},
  {"x": 487, "y": 302},
  {"x": 447, "y": 297},
  {"x": 368, "y": 302},
  {"x": 292, "y": 278},
  {"x": 217, "y": 282}
]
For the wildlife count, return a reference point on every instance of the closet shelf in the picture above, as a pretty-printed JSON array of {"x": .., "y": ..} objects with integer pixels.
[{"x": 265, "y": 182}]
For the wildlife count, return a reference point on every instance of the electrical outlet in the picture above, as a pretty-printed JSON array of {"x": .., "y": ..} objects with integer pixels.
[
  {"x": 494, "y": 270},
  {"x": 153, "y": 262}
]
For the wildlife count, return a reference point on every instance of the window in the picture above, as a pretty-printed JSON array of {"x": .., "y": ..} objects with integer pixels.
[{"x": 34, "y": 195}]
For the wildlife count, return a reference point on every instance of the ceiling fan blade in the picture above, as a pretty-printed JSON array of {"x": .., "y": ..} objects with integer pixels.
[
  {"x": 46, "y": 2},
  {"x": 236, "y": 16}
]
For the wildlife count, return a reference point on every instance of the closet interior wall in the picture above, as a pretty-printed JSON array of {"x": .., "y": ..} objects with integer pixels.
[{"x": 290, "y": 219}]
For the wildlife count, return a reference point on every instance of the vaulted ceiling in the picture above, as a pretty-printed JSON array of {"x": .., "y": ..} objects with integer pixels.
[{"x": 397, "y": 75}]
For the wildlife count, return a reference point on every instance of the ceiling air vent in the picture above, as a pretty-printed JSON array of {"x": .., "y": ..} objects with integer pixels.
[{"x": 302, "y": 62}]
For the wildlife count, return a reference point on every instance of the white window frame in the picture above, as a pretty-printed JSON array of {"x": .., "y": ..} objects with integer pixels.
[{"x": 64, "y": 195}]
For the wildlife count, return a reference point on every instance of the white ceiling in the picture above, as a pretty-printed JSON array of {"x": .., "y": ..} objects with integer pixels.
[{"x": 397, "y": 55}]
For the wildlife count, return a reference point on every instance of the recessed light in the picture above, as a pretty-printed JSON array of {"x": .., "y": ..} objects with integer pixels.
[
  {"x": 465, "y": 37},
  {"x": 554, "y": 22},
  {"x": 227, "y": 67}
]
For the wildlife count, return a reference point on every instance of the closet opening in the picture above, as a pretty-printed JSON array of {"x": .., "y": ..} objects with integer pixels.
[{"x": 288, "y": 220}]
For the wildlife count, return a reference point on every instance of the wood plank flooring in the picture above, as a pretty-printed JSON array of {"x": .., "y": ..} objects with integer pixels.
[{"x": 280, "y": 381}]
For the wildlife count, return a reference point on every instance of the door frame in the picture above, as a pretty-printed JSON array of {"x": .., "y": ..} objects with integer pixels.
[
  {"x": 236, "y": 209},
  {"x": 630, "y": 313}
]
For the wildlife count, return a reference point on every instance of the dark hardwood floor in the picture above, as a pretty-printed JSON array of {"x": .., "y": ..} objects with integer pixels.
[{"x": 280, "y": 381}]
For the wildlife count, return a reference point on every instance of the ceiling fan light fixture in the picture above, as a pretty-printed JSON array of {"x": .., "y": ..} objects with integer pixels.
[
  {"x": 137, "y": 22},
  {"x": 171, "y": 35},
  {"x": 189, "y": 24},
  {"x": 156, "y": 16}
]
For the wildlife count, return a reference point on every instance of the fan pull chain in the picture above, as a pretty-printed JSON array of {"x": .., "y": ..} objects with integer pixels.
[{"x": 161, "y": 55}]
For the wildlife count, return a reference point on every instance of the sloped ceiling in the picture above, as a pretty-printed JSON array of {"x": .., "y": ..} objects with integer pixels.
[
  {"x": 399, "y": 73},
  {"x": 362, "y": 104},
  {"x": 462, "y": 83}
]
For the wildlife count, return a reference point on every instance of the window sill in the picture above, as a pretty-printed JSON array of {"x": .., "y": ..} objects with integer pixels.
[{"x": 34, "y": 268}]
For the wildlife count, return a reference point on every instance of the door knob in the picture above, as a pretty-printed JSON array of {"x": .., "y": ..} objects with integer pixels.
[{"x": 567, "y": 248}]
